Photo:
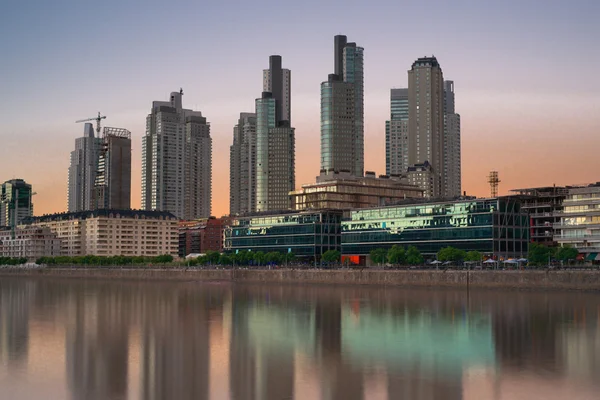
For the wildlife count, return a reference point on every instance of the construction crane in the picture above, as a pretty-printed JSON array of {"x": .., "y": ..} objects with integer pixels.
[{"x": 97, "y": 119}]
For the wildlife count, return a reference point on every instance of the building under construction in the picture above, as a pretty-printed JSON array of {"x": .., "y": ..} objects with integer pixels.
[
  {"x": 544, "y": 205},
  {"x": 112, "y": 186}
]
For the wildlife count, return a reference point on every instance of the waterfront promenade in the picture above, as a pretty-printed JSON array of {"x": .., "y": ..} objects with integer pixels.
[{"x": 526, "y": 280}]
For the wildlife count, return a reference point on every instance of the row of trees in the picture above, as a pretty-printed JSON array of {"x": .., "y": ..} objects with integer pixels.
[
  {"x": 542, "y": 255},
  {"x": 102, "y": 260},
  {"x": 12, "y": 260},
  {"x": 397, "y": 255},
  {"x": 258, "y": 258}
]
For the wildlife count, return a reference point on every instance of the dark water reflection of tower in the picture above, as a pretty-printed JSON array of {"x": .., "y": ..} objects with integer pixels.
[
  {"x": 97, "y": 344},
  {"x": 341, "y": 380},
  {"x": 175, "y": 345},
  {"x": 16, "y": 298}
]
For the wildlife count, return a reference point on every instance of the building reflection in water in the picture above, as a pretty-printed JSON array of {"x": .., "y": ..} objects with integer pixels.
[
  {"x": 97, "y": 343},
  {"x": 128, "y": 340},
  {"x": 16, "y": 300}
]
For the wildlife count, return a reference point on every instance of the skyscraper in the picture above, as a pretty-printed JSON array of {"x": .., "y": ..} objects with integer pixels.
[
  {"x": 112, "y": 189},
  {"x": 275, "y": 141},
  {"x": 82, "y": 170},
  {"x": 452, "y": 156},
  {"x": 342, "y": 111},
  {"x": 242, "y": 166},
  {"x": 396, "y": 134},
  {"x": 426, "y": 120},
  {"x": 177, "y": 160},
  {"x": 15, "y": 202}
]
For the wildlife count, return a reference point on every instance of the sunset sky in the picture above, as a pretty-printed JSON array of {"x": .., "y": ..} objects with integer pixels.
[{"x": 526, "y": 72}]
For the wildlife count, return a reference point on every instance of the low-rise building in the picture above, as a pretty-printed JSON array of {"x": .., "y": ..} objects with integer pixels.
[
  {"x": 30, "y": 242},
  {"x": 496, "y": 227},
  {"x": 200, "y": 236},
  {"x": 113, "y": 232},
  {"x": 422, "y": 176},
  {"x": 579, "y": 224},
  {"x": 307, "y": 234},
  {"x": 341, "y": 190}
]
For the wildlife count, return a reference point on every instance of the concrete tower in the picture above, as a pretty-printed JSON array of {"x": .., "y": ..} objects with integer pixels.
[
  {"x": 242, "y": 166},
  {"x": 82, "y": 171},
  {"x": 177, "y": 160}
]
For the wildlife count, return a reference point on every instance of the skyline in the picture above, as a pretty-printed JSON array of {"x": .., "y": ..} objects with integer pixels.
[{"x": 514, "y": 84}]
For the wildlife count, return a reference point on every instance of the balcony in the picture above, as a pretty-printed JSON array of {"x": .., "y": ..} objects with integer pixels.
[{"x": 573, "y": 239}]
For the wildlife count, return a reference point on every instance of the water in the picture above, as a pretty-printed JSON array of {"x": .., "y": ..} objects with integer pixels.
[{"x": 76, "y": 339}]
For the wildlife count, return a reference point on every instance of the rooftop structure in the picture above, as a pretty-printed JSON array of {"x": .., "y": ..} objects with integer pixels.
[{"x": 342, "y": 190}]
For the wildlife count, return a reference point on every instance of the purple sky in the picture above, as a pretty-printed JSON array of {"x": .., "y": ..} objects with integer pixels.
[{"x": 526, "y": 76}]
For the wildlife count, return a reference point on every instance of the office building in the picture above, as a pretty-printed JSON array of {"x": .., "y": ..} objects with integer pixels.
[
  {"x": 423, "y": 177},
  {"x": 15, "y": 202},
  {"x": 275, "y": 142},
  {"x": 242, "y": 166},
  {"x": 112, "y": 188},
  {"x": 342, "y": 111},
  {"x": 544, "y": 206},
  {"x": 306, "y": 234},
  {"x": 396, "y": 133},
  {"x": 342, "y": 191},
  {"x": 177, "y": 160},
  {"x": 426, "y": 119},
  {"x": 29, "y": 242},
  {"x": 82, "y": 170},
  {"x": 113, "y": 232},
  {"x": 579, "y": 224},
  {"x": 496, "y": 227},
  {"x": 452, "y": 151}
]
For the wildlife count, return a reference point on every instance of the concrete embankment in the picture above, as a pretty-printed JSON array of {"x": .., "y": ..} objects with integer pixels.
[{"x": 567, "y": 280}]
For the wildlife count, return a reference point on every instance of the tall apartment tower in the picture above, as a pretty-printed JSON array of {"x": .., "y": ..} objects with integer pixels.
[
  {"x": 112, "y": 188},
  {"x": 177, "y": 160},
  {"x": 396, "y": 134},
  {"x": 242, "y": 166},
  {"x": 426, "y": 121},
  {"x": 15, "y": 202},
  {"x": 342, "y": 111},
  {"x": 275, "y": 141},
  {"x": 452, "y": 154},
  {"x": 82, "y": 171}
]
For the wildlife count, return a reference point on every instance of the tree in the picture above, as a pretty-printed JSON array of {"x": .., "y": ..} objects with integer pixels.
[
  {"x": 539, "y": 254},
  {"x": 289, "y": 257},
  {"x": 259, "y": 258},
  {"x": 396, "y": 255},
  {"x": 566, "y": 253},
  {"x": 378, "y": 256},
  {"x": 332, "y": 256},
  {"x": 473, "y": 255},
  {"x": 225, "y": 259},
  {"x": 451, "y": 254},
  {"x": 414, "y": 256},
  {"x": 273, "y": 257}
]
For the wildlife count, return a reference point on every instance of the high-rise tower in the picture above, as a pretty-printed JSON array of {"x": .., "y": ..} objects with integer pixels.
[
  {"x": 242, "y": 166},
  {"x": 426, "y": 121},
  {"x": 177, "y": 160},
  {"x": 15, "y": 202},
  {"x": 82, "y": 170},
  {"x": 112, "y": 188},
  {"x": 452, "y": 153},
  {"x": 275, "y": 141},
  {"x": 342, "y": 111},
  {"x": 396, "y": 133}
]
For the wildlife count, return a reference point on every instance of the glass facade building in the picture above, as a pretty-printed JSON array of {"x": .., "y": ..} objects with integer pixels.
[
  {"x": 495, "y": 227},
  {"x": 306, "y": 234}
]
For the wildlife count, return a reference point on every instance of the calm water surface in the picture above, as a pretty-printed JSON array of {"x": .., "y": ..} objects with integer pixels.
[{"x": 77, "y": 339}]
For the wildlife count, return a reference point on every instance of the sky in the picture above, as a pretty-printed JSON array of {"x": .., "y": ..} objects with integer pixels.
[{"x": 526, "y": 78}]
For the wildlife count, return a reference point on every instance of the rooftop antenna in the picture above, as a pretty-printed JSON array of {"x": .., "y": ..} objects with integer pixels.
[{"x": 493, "y": 180}]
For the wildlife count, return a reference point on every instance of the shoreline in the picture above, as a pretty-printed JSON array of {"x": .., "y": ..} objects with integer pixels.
[{"x": 521, "y": 280}]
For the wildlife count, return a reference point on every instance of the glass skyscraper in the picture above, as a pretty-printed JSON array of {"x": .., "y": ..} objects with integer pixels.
[{"x": 342, "y": 111}]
